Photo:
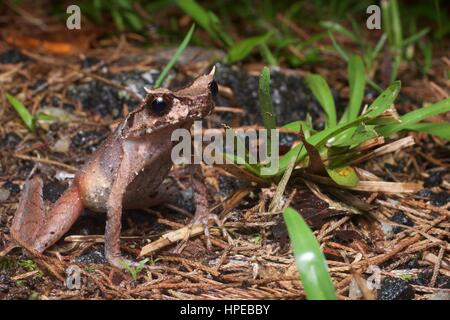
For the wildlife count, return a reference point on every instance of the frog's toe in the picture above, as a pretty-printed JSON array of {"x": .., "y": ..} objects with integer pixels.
[{"x": 121, "y": 262}]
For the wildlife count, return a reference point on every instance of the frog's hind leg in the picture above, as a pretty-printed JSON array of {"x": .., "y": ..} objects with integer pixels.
[{"x": 36, "y": 229}]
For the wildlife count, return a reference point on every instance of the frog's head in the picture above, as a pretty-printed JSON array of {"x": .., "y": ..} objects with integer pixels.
[{"x": 163, "y": 108}]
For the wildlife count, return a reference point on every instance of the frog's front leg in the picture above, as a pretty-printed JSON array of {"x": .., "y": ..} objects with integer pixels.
[
  {"x": 127, "y": 171},
  {"x": 33, "y": 227},
  {"x": 202, "y": 212}
]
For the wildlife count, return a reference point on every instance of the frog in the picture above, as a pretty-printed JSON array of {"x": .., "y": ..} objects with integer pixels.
[{"x": 126, "y": 172}]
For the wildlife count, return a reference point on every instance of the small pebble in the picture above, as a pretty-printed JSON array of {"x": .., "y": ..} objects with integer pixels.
[
  {"x": 53, "y": 190},
  {"x": 10, "y": 141},
  {"x": 440, "y": 295},
  {"x": 4, "y": 194},
  {"x": 424, "y": 193},
  {"x": 401, "y": 218},
  {"x": 433, "y": 180},
  {"x": 394, "y": 168},
  {"x": 440, "y": 199},
  {"x": 12, "y": 187},
  {"x": 395, "y": 289},
  {"x": 12, "y": 56},
  {"x": 62, "y": 145},
  {"x": 95, "y": 256}
]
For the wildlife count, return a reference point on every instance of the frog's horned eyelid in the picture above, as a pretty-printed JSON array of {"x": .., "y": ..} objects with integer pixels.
[{"x": 213, "y": 71}]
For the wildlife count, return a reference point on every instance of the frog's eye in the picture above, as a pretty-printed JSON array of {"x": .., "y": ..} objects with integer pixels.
[
  {"x": 159, "y": 105},
  {"x": 213, "y": 88}
]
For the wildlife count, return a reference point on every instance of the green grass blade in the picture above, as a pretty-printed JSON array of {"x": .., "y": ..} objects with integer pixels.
[
  {"x": 356, "y": 75},
  {"x": 118, "y": 20},
  {"x": 243, "y": 48},
  {"x": 336, "y": 27},
  {"x": 206, "y": 19},
  {"x": 23, "y": 112},
  {"x": 427, "y": 52},
  {"x": 441, "y": 130},
  {"x": 322, "y": 92},
  {"x": 199, "y": 14},
  {"x": 379, "y": 46},
  {"x": 175, "y": 57},
  {"x": 338, "y": 48},
  {"x": 268, "y": 55},
  {"x": 309, "y": 258},
  {"x": 134, "y": 21},
  {"x": 415, "y": 37},
  {"x": 396, "y": 24},
  {"x": 416, "y": 116},
  {"x": 265, "y": 100}
]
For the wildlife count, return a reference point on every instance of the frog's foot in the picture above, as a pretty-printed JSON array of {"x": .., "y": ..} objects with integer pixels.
[
  {"x": 203, "y": 220},
  {"x": 33, "y": 227},
  {"x": 121, "y": 262}
]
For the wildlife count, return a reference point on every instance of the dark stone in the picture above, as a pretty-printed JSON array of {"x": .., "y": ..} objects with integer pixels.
[
  {"x": 95, "y": 256},
  {"x": 440, "y": 199},
  {"x": 38, "y": 85},
  {"x": 89, "y": 62},
  {"x": 412, "y": 263},
  {"x": 53, "y": 190},
  {"x": 395, "y": 289},
  {"x": 68, "y": 107},
  {"x": 286, "y": 141},
  {"x": 424, "y": 278},
  {"x": 228, "y": 185},
  {"x": 12, "y": 187},
  {"x": 89, "y": 140},
  {"x": 5, "y": 282},
  {"x": 394, "y": 168},
  {"x": 98, "y": 97},
  {"x": 10, "y": 140},
  {"x": 291, "y": 98},
  {"x": 280, "y": 233},
  {"x": 401, "y": 218},
  {"x": 12, "y": 56},
  {"x": 424, "y": 193},
  {"x": 106, "y": 100},
  {"x": 433, "y": 180}
]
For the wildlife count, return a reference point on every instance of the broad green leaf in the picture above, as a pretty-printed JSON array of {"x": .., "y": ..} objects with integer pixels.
[
  {"x": 309, "y": 259},
  {"x": 265, "y": 100},
  {"x": 23, "y": 112},
  {"x": 416, "y": 116},
  {"x": 297, "y": 126},
  {"x": 317, "y": 140},
  {"x": 243, "y": 48},
  {"x": 356, "y": 136},
  {"x": 384, "y": 100},
  {"x": 441, "y": 130},
  {"x": 175, "y": 57},
  {"x": 322, "y": 92},
  {"x": 356, "y": 76},
  {"x": 344, "y": 176}
]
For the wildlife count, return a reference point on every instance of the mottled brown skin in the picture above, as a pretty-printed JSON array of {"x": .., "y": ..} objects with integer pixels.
[{"x": 127, "y": 171}]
